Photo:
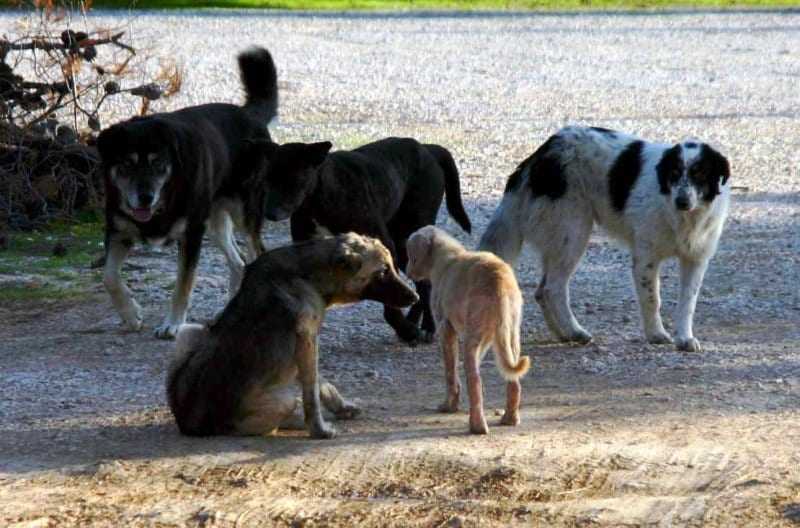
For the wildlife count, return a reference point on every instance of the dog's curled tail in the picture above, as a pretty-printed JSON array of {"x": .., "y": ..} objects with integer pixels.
[
  {"x": 507, "y": 348},
  {"x": 260, "y": 80},
  {"x": 452, "y": 185}
]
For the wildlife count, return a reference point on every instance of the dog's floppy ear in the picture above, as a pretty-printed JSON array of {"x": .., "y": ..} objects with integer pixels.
[
  {"x": 318, "y": 152},
  {"x": 346, "y": 260},
  {"x": 716, "y": 165}
]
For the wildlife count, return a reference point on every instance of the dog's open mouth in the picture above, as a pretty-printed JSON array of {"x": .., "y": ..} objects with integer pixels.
[{"x": 142, "y": 214}]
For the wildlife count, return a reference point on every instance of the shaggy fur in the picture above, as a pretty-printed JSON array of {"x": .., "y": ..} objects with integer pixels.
[
  {"x": 170, "y": 176},
  {"x": 387, "y": 189},
  {"x": 476, "y": 297},
  {"x": 660, "y": 200},
  {"x": 237, "y": 375}
]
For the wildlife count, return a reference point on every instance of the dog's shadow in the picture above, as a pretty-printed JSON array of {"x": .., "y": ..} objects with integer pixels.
[{"x": 85, "y": 450}]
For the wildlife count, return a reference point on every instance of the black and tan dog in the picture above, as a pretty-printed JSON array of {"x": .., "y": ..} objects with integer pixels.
[
  {"x": 237, "y": 376},
  {"x": 387, "y": 189},
  {"x": 170, "y": 176}
]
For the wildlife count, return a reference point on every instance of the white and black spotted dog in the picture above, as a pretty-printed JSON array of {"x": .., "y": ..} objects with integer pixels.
[{"x": 661, "y": 200}]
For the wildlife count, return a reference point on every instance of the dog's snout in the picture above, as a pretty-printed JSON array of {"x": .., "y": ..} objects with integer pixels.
[
  {"x": 682, "y": 203},
  {"x": 146, "y": 198}
]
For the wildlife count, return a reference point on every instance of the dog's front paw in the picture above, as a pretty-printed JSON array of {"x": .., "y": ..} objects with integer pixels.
[
  {"x": 659, "y": 338},
  {"x": 322, "y": 430},
  {"x": 167, "y": 330},
  {"x": 132, "y": 317},
  {"x": 579, "y": 336},
  {"x": 427, "y": 336},
  {"x": 348, "y": 411},
  {"x": 478, "y": 426},
  {"x": 688, "y": 345}
]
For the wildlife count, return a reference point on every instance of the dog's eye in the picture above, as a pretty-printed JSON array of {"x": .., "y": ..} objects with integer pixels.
[{"x": 160, "y": 166}]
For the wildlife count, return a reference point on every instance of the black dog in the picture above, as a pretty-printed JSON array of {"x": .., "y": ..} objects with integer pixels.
[
  {"x": 169, "y": 175},
  {"x": 387, "y": 189}
]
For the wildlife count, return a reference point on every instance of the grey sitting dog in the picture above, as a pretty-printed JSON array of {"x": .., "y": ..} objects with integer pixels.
[{"x": 237, "y": 375}]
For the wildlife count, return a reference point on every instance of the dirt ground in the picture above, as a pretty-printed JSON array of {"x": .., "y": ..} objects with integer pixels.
[{"x": 616, "y": 433}]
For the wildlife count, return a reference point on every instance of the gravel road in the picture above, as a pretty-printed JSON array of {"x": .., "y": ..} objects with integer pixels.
[{"x": 615, "y": 433}]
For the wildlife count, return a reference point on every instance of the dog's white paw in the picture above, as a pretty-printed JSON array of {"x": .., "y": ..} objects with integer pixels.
[
  {"x": 322, "y": 431},
  {"x": 348, "y": 411},
  {"x": 659, "y": 338},
  {"x": 688, "y": 344},
  {"x": 580, "y": 336},
  {"x": 132, "y": 317},
  {"x": 167, "y": 330}
]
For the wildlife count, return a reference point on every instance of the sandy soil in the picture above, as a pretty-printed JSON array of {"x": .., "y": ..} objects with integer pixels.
[{"x": 617, "y": 433}]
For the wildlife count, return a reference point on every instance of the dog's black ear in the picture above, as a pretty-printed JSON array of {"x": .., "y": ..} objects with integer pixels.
[
  {"x": 671, "y": 163},
  {"x": 346, "y": 260},
  {"x": 108, "y": 139},
  {"x": 261, "y": 147},
  {"x": 716, "y": 165},
  {"x": 319, "y": 151}
]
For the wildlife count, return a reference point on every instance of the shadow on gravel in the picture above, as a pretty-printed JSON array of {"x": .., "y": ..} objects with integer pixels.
[{"x": 72, "y": 449}]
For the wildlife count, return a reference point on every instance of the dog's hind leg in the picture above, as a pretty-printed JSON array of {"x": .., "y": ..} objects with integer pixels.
[
  {"x": 333, "y": 401},
  {"x": 692, "y": 273},
  {"x": 646, "y": 281},
  {"x": 263, "y": 411},
  {"x": 117, "y": 250},
  {"x": 473, "y": 352},
  {"x": 188, "y": 254},
  {"x": 221, "y": 231},
  {"x": 561, "y": 252}
]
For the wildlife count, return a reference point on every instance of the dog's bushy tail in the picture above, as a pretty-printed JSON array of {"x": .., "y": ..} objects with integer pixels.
[
  {"x": 452, "y": 185},
  {"x": 260, "y": 80},
  {"x": 507, "y": 347},
  {"x": 504, "y": 235}
]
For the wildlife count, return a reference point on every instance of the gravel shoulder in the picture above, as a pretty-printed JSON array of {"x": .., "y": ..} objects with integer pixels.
[{"x": 617, "y": 433}]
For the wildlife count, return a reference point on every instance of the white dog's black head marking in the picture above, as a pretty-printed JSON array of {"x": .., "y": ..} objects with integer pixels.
[
  {"x": 140, "y": 156},
  {"x": 689, "y": 172}
]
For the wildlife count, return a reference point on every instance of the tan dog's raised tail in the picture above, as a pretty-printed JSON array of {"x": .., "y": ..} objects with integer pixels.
[{"x": 475, "y": 295}]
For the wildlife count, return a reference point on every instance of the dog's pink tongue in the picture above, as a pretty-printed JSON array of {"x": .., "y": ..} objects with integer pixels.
[{"x": 142, "y": 214}]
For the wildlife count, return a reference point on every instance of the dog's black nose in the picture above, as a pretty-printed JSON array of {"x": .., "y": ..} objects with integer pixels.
[
  {"x": 146, "y": 199},
  {"x": 682, "y": 203}
]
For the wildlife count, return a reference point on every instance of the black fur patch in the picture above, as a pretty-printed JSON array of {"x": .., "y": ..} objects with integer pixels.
[
  {"x": 669, "y": 169},
  {"x": 514, "y": 180},
  {"x": 624, "y": 173},
  {"x": 545, "y": 172},
  {"x": 713, "y": 171}
]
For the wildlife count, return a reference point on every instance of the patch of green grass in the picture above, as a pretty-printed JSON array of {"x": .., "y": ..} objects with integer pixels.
[
  {"x": 32, "y": 272},
  {"x": 439, "y": 4},
  {"x": 46, "y": 292}
]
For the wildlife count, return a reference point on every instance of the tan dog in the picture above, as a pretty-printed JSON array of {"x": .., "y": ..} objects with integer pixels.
[{"x": 475, "y": 295}]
